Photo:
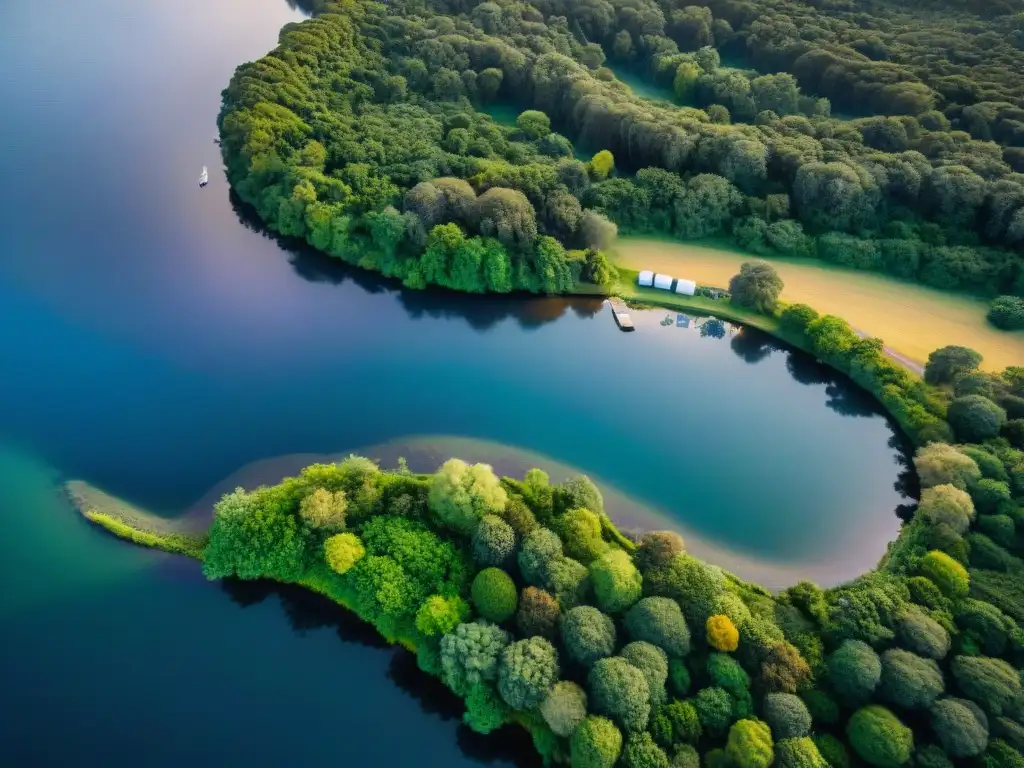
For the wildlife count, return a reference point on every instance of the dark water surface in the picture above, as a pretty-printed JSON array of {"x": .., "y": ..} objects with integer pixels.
[{"x": 152, "y": 343}]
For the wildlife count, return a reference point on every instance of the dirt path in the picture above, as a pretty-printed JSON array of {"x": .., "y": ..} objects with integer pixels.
[{"x": 911, "y": 319}]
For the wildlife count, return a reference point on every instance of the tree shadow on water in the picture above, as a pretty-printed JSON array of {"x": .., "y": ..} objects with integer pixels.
[
  {"x": 752, "y": 346},
  {"x": 480, "y": 312}
]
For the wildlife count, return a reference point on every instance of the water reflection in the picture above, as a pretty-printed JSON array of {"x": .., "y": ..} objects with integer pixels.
[
  {"x": 480, "y": 312},
  {"x": 307, "y": 611}
]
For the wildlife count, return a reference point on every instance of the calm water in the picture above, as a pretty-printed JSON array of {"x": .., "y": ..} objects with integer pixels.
[{"x": 153, "y": 343}]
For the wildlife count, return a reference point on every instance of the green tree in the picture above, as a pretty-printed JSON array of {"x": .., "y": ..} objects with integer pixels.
[
  {"x": 960, "y": 726},
  {"x": 946, "y": 505},
  {"x": 538, "y": 613},
  {"x": 534, "y": 124},
  {"x": 588, "y": 635},
  {"x": 439, "y": 615},
  {"x": 854, "y": 671},
  {"x": 494, "y": 541},
  {"x": 942, "y": 464},
  {"x": 527, "y": 672},
  {"x": 342, "y": 551},
  {"x": 494, "y": 595},
  {"x": 642, "y": 752},
  {"x": 945, "y": 364},
  {"x": 975, "y": 418},
  {"x": 798, "y": 753},
  {"x": 908, "y": 680},
  {"x": 323, "y": 510},
  {"x": 462, "y": 494},
  {"x": 714, "y": 707},
  {"x": 787, "y": 715},
  {"x": 616, "y": 581},
  {"x": 469, "y": 655},
  {"x": 596, "y": 743},
  {"x": 620, "y": 691},
  {"x": 657, "y": 548},
  {"x": 921, "y": 634},
  {"x": 564, "y": 708},
  {"x": 947, "y": 574},
  {"x": 879, "y": 738},
  {"x": 757, "y": 286},
  {"x": 485, "y": 712},
  {"x": 750, "y": 744},
  {"x": 653, "y": 662},
  {"x": 991, "y": 683},
  {"x": 1007, "y": 312}
]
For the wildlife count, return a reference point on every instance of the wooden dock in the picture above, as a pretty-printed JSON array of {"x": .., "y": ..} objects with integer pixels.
[{"x": 622, "y": 318}]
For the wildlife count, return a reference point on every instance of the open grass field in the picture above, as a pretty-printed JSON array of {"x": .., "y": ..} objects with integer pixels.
[{"x": 911, "y": 319}]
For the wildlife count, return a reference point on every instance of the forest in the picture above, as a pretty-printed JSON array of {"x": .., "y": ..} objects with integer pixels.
[
  {"x": 869, "y": 135},
  {"x": 529, "y": 604}
]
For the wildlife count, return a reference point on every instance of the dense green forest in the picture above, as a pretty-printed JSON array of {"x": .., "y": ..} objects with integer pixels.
[
  {"x": 366, "y": 132},
  {"x": 527, "y": 602}
]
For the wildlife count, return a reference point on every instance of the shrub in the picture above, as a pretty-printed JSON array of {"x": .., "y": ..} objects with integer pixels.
[
  {"x": 685, "y": 756},
  {"x": 798, "y": 753},
  {"x": 696, "y": 586},
  {"x": 1007, "y": 312},
  {"x": 984, "y": 624},
  {"x": 580, "y": 529},
  {"x": 642, "y": 752},
  {"x": 323, "y": 510},
  {"x": 342, "y": 551},
  {"x": 990, "y": 465},
  {"x": 685, "y": 721},
  {"x": 580, "y": 491},
  {"x": 619, "y": 690},
  {"x": 722, "y": 634},
  {"x": 659, "y": 620},
  {"x": 784, "y": 669},
  {"x": 945, "y": 364},
  {"x": 564, "y": 708},
  {"x": 878, "y": 736},
  {"x": 494, "y": 595},
  {"x": 947, "y": 574},
  {"x": 540, "y": 549},
  {"x": 787, "y": 715},
  {"x": 832, "y": 750},
  {"x": 942, "y": 464},
  {"x": 653, "y": 662},
  {"x": 796, "y": 317},
  {"x": 657, "y": 548},
  {"x": 975, "y": 418},
  {"x": 527, "y": 671},
  {"x": 596, "y": 743},
  {"x": 519, "y": 517},
  {"x": 485, "y": 712},
  {"x": 990, "y": 496},
  {"x": 714, "y": 708},
  {"x": 494, "y": 541},
  {"x": 439, "y": 615},
  {"x": 922, "y": 635},
  {"x": 588, "y": 635},
  {"x": 908, "y": 680},
  {"x": 469, "y": 655},
  {"x": 568, "y": 581},
  {"x": 750, "y": 744},
  {"x": 461, "y": 494},
  {"x": 726, "y": 672},
  {"x": 616, "y": 581},
  {"x": 960, "y": 726},
  {"x": 538, "y": 613},
  {"x": 946, "y": 504},
  {"x": 927, "y": 593},
  {"x": 992, "y": 683}
]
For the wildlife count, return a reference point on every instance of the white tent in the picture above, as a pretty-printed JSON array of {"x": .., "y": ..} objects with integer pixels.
[
  {"x": 663, "y": 281},
  {"x": 646, "y": 278},
  {"x": 686, "y": 287}
]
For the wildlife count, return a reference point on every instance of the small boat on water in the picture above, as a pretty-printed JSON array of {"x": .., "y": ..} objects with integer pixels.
[{"x": 204, "y": 178}]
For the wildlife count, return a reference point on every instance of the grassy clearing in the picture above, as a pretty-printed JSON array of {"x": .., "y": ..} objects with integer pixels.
[{"x": 911, "y": 319}]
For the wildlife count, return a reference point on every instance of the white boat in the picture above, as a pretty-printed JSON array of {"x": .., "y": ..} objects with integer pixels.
[{"x": 204, "y": 177}]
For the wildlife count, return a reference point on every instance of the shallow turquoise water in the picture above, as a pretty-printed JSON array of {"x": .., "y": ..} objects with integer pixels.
[{"x": 154, "y": 343}]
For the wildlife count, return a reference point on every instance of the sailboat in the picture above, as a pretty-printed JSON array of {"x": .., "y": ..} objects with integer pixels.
[{"x": 204, "y": 177}]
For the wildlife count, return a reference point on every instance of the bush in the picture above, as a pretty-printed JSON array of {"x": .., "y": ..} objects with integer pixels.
[
  {"x": 984, "y": 624},
  {"x": 519, "y": 517},
  {"x": 990, "y": 465},
  {"x": 564, "y": 708},
  {"x": 750, "y": 744},
  {"x": 787, "y": 715},
  {"x": 527, "y": 671},
  {"x": 541, "y": 548},
  {"x": 946, "y": 504},
  {"x": 908, "y": 680},
  {"x": 832, "y": 750},
  {"x": 616, "y": 581},
  {"x": 990, "y": 496},
  {"x": 653, "y": 662},
  {"x": 878, "y": 736},
  {"x": 1007, "y": 312},
  {"x": 726, "y": 672},
  {"x": 657, "y": 548},
  {"x": 619, "y": 690},
  {"x": 974, "y": 418},
  {"x": 494, "y": 595},
  {"x": 947, "y": 574},
  {"x": 922, "y": 635},
  {"x": 580, "y": 491},
  {"x": 580, "y": 529},
  {"x": 945, "y": 364},
  {"x": 796, "y": 317},
  {"x": 659, "y": 620},
  {"x": 798, "y": 753},
  {"x": 439, "y": 615},
  {"x": 960, "y": 726},
  {"x": 696, "y": 586},
  {"x": 992, "y": 683},
  {"x": 942, "y": 464},
  {"x": 485, "y": 712},
  {"x": 568, "y": 581},
  {"x": 342, "y": 551},
  {"x": 460, "y": 495},
  {"x": 722, "y": 634},
  {"x": 685, "y": 756},
  {"x": 538, "y": 614},
  {"x": 596, "y": 743},
  {"x": 784, "y": 669},
  {"x": 494, "y": 541},
  {"x": 642, "y": 752},
  {"x": 588, "y": 635},
  {"x": 714, "y": 707},
  {"x": 685, "y": 721},
  {"x": 469, "y": 655}
]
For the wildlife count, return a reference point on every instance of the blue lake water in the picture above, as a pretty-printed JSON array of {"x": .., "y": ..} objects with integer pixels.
[{"x": 154, "y": 343}]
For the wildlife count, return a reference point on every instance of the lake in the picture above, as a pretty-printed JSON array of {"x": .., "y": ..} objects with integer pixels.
[{"x": 156, "y": 342}]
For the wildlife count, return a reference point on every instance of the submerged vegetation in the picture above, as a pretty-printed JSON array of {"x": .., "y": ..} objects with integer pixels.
[{"x": 365, "y": 133}]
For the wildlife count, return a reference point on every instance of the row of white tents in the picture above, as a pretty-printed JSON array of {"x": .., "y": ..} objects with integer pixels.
[{"x": 664, "y": 282}]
